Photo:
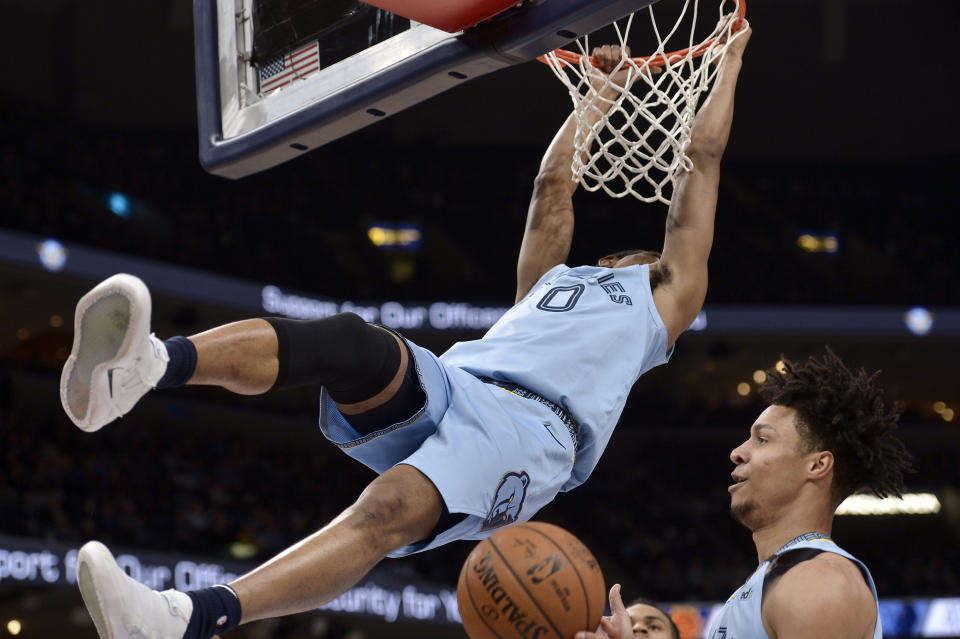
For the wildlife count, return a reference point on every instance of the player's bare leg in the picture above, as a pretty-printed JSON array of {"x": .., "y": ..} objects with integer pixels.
[
  {"x": 242, "y": 357},
  {"x": 398, "y": 508},
  {"x": 115, "y": 359}
]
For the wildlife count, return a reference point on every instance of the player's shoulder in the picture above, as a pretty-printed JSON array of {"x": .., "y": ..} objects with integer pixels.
[
  {"x": 550, "y": 274},
  {"x": 828, "y": 573},
  {"x": 821, "y": 594},
  {"x": 553, "y": 272}
]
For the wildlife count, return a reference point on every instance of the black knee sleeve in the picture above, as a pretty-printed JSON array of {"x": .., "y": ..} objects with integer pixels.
[{"x": 351, "y": 358}]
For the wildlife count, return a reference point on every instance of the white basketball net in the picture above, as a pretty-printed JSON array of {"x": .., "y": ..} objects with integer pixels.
[{"x": 637, "y": 146}]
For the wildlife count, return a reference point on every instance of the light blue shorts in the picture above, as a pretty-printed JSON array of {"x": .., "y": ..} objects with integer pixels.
[{"x": 495, "y": 456}]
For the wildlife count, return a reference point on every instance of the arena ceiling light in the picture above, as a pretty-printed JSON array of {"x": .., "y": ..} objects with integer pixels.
[
  {"x": 388, "y": 235},
  {"x": 918, "y": 320},
  {"x": 52, "y": 254},
  {"x": 911, "y": 504},
  {"x": 119, "y": 204},
  {"x": 819, "y": 242}
]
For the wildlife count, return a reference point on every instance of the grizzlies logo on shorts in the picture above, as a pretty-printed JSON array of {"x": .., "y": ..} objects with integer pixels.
[{"x": 508, "y": 500}]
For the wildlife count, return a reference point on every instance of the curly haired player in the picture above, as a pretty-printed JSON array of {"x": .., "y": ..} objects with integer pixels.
[{"x": 825, "y": 434}]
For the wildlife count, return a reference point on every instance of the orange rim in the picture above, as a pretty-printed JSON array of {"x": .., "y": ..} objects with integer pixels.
[{"x": 572, "y": 57}]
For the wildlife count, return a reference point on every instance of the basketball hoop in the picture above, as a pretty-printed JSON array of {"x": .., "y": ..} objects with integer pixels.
[{"x": 635, "y": 143}]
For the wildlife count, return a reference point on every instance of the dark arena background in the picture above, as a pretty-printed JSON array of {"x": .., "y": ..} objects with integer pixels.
[{"x": 838, "y": 223}]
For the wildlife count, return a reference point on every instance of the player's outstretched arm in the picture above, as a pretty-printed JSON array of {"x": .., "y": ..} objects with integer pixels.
[
  {"x": 549, "y": 229},
  {"x": 823, "y": 598},
  {"x": 690, "y": 219}
]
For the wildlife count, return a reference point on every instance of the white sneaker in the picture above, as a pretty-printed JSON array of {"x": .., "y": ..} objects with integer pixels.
[
  {"x": 123, "y": 608},
  {"x": 115, "y": 359}
]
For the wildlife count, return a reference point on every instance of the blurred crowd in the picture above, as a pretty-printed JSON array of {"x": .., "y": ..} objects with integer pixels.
[{"x": 303, "y": 224}]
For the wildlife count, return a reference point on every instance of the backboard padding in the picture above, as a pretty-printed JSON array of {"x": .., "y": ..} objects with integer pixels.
[{"x": 450, "y": 15}]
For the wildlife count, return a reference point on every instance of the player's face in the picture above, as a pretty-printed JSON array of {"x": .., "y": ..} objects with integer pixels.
[
  {"x": 640, "y": 257},
  {"x": 649, "y": 621},
  {"x": 770, "y": 469}
]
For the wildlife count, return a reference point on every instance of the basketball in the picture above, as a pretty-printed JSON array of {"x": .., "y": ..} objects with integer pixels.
[{"x": 530, "y": 581}]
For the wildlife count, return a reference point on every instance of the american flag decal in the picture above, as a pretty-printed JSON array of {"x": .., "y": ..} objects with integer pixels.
[{"x": 284, "y": 69}]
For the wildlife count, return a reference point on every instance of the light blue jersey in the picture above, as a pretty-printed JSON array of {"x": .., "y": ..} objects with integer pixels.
[
  {"x": 741, "y": 617},
  {"x": 525, "y": 412},
  {"x": 581, "y": 338}
]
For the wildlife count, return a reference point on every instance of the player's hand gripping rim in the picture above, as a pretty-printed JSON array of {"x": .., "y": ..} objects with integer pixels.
[
  {"x": 611, "y": 72},
  {"x": 739, "y": 35}
]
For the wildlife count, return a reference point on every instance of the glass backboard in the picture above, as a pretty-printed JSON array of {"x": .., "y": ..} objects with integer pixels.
[{"x": 277, "y": 78}]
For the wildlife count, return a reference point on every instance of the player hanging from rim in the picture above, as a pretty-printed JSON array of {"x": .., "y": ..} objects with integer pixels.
[
  {"x": 825, "y": 434},
  {"x": 482, "y": 437}
]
